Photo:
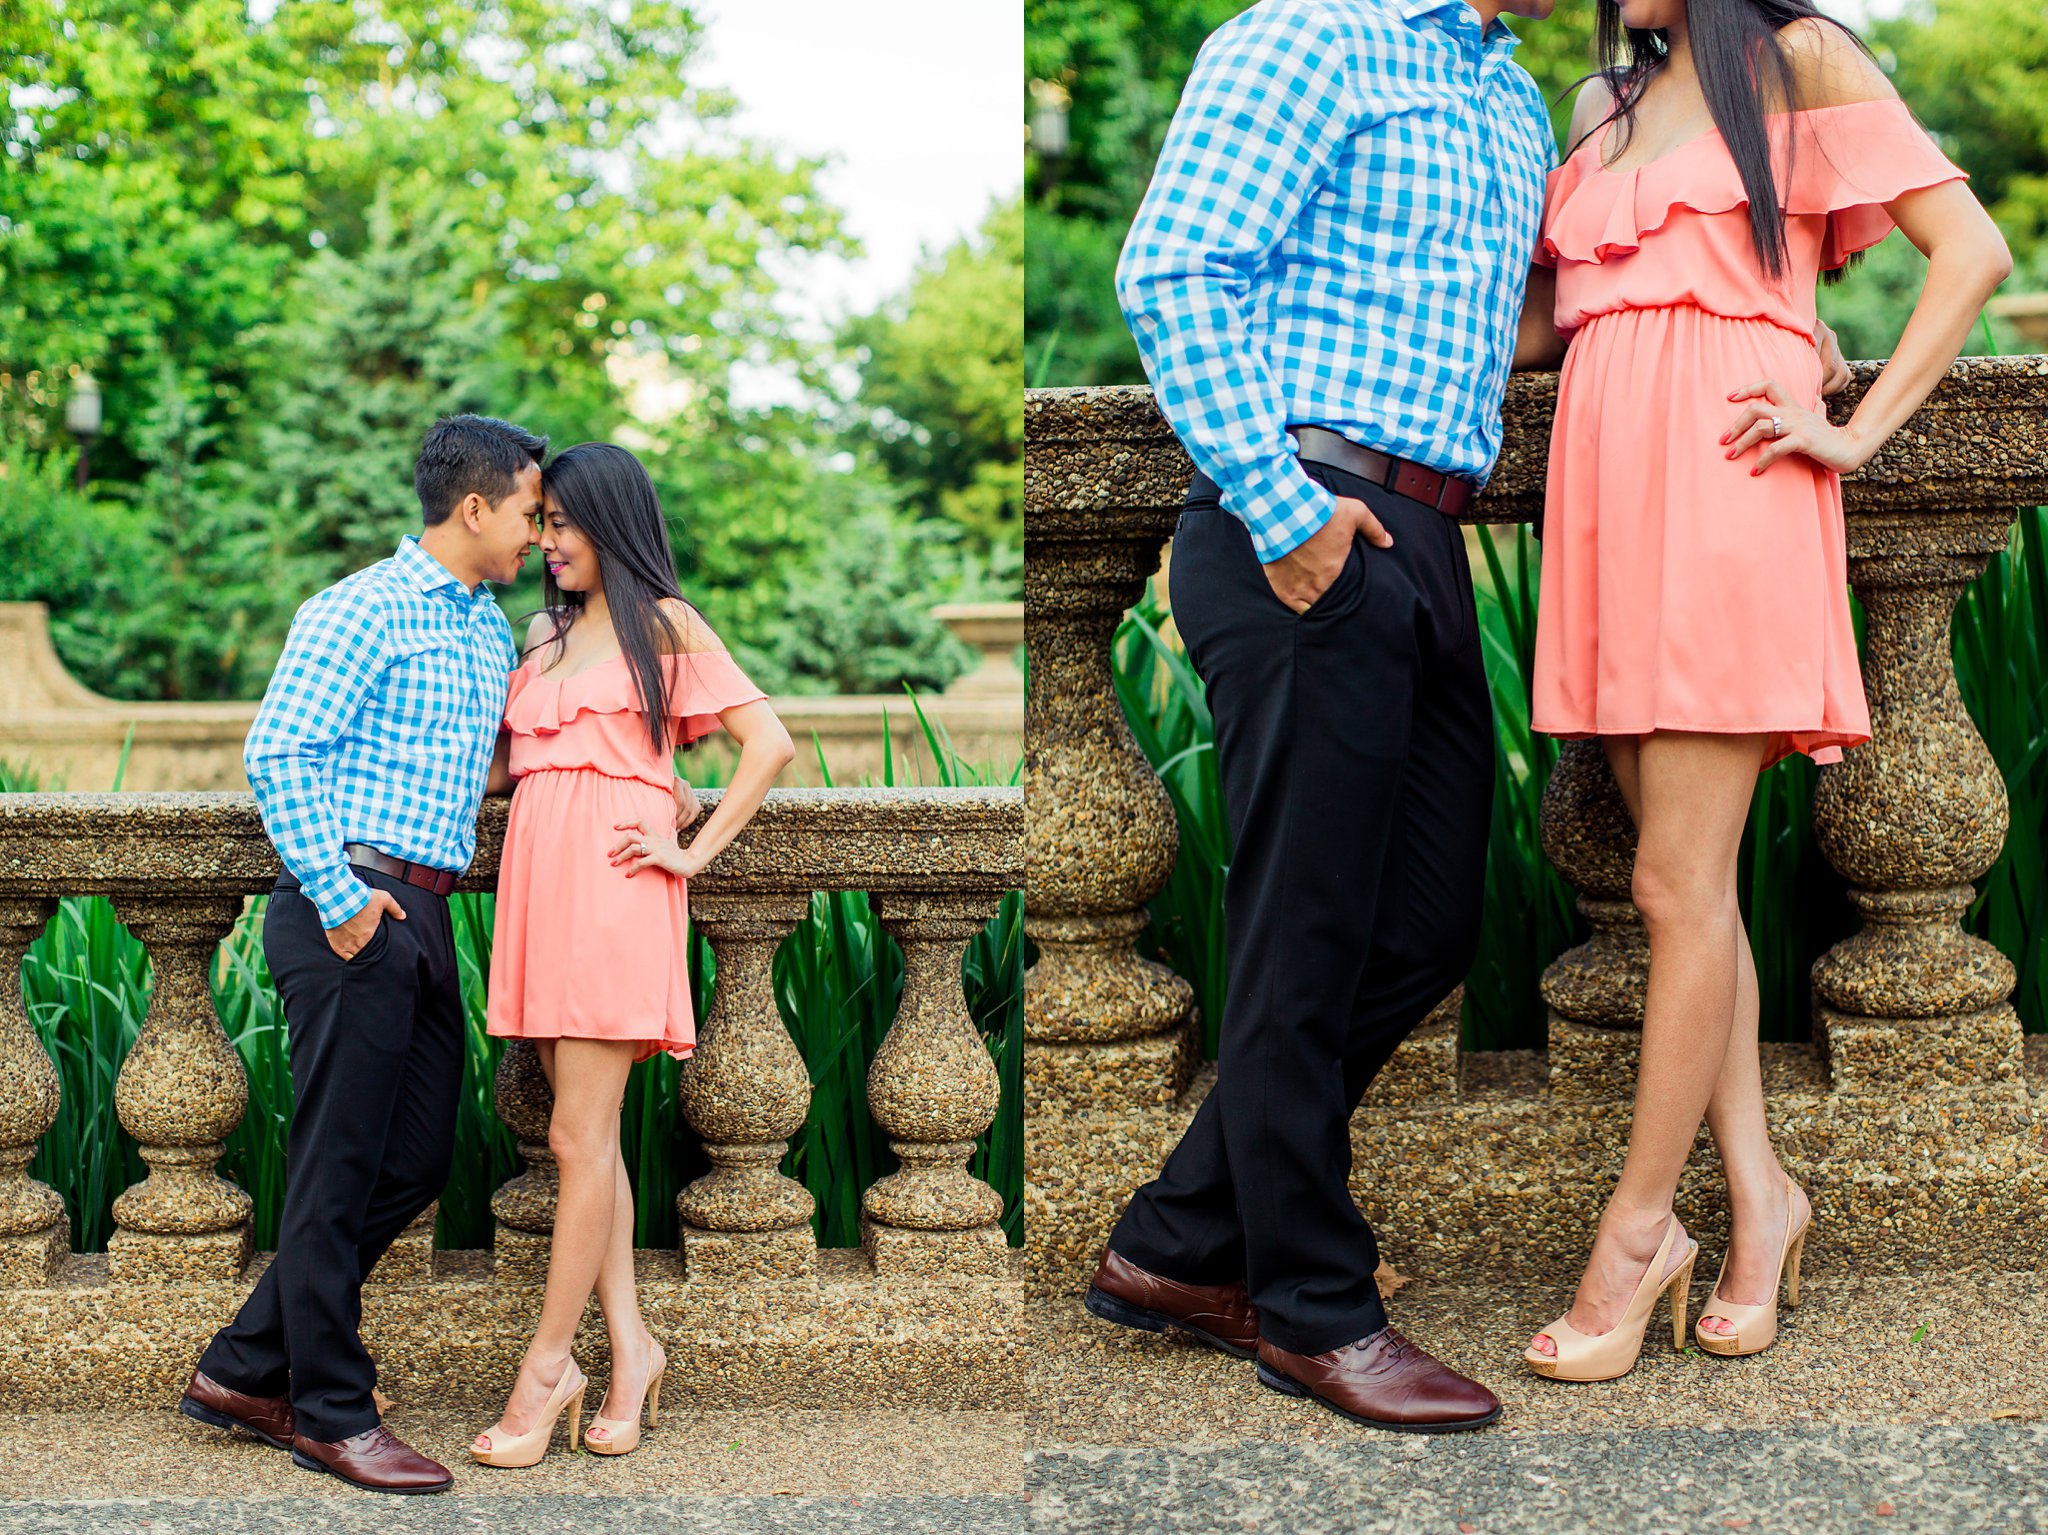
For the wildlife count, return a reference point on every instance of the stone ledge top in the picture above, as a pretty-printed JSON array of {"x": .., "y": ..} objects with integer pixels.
[
  {"x": 1980, "y": 443},
  {"x": 904, "y": 840}
]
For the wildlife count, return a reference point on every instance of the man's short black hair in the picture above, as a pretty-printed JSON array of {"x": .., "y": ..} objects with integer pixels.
[{"x": 465, "y": 454}]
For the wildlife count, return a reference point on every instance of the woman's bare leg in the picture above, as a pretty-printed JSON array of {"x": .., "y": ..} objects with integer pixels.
[
  {"x": 1758, "y": 1207},
  {"x": 589, "y": 1078},
  {"x": 1690, "y": 794},
  {"x": 619, "y": 1298}
]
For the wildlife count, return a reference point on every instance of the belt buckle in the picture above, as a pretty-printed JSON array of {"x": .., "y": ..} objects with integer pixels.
[{"x": 1417, "y": 483}]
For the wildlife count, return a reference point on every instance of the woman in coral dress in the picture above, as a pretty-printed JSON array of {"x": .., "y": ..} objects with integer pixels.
[
  {"x": 589, "y": 959},
  {"x": 1694, "y": 613}
]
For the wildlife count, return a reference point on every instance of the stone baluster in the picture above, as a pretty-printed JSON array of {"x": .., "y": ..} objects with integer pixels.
[
  {"x": 1595, "y": 991},
  {"x": 181, "y": 1090},
  {"x": 934, "y": 1089},
  {"x": 523, "y": 1209},
  {"x": 35, "y": 1233},
  {"x": 410, "y": 1257},
  {"x": 746, "y": 1091},
  {"x": 1106, "y": 1028},
  {"x": 1912, "y": 1002}
]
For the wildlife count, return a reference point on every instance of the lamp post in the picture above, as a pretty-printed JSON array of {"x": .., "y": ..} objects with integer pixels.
[
  {"x": 1049, "y": 103},
  {"x": 82, "y": 417}
]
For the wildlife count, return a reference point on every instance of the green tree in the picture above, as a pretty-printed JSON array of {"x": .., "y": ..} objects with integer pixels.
[
  {"x": 1976, "y": 71},
  {"x": 273, "y": 241},
  {"x": 379, "y": 344},
  {"x": 944, "y": 416}
]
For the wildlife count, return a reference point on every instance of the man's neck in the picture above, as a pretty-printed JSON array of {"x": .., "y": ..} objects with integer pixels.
[{"x": 450, "y": 548}]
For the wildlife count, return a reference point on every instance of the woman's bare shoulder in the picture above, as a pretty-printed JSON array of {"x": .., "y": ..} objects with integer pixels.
[
  {"x": 1829, "y": 68},
  {"x": 539, "y": 629},
  {"x": 692, "y": 632},
  {"x": 1594, "y": 106}
]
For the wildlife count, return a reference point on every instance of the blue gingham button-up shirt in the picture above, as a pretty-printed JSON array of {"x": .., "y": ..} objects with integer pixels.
[
  {"x": 379, "y": 723},
  {"x": 1338, "y": 234}
]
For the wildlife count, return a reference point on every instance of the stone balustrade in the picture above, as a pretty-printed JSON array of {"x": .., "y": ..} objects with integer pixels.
[
  {"x": 1915, "y": 1037},
  {"x": 179, "y": 867}
]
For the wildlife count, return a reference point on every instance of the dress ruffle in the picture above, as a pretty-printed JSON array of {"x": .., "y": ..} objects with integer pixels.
[
  {"x": 701, "y": 684},
  {"x": 1847, "y": 162}
]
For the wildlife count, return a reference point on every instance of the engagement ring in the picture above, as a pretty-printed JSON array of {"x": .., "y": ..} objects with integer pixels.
[
  {"x": 1777, "y": 427},
  {"x": 642, "y": 847}
]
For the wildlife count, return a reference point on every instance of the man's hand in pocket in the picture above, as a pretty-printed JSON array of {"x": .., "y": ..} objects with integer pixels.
[{"x": 1301, "y": 576}]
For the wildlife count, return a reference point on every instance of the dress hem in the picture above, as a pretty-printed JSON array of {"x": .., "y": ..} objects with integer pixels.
[
  {"x": 1822, "y": 744},
  {"x": 661, "y": 1045}
]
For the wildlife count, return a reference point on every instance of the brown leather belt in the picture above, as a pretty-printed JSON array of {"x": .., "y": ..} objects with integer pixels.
[
  {"x": 363, "y": 856},
  {"x": 1446, "y": 492}
]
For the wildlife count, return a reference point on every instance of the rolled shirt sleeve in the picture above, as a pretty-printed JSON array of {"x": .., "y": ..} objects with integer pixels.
[
  {"x": 1268, "y": 109},
  {"x": 334, "y": 654}
]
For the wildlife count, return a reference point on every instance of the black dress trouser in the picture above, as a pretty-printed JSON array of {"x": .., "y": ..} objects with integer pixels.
[
  {"x": 376, "y": 1056},
  {"x": 1355, "y": 752}
]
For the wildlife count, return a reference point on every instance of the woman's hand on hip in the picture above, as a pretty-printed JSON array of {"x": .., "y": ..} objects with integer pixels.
[
  {"x": 686, "y": 802},
  {"x": 1834, "y": 367},
  {"x": 1770, "y": 418},
  {"x": 642, "y": 849}
]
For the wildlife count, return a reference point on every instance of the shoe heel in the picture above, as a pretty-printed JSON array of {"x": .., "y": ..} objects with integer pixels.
[
  {"x": 1792, "y": 1274},
  {"x": 1101, "y": 1303},
  {"x": 576, "y": 1417},
  {"x": 308, "y": 1463},
  {"x": 1679, "y": 1290},
  {"x": 654, "y": 1398},
  {"x": 1272, "y": 1380},
  {"x": 206, "y": 1415}
]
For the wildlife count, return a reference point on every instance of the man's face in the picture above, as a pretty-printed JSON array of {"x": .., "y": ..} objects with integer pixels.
[{"x": 506, "y": 529}]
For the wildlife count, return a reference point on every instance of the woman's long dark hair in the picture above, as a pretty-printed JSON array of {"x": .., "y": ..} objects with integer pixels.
[
  {"x": 604, "y": 493},
  {"x": 1740, "y": 62}
]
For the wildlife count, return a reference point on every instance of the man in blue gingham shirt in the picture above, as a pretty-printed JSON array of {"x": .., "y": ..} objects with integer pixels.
[
  {"x": 1324, "y": 282},
  {"x": 378, "y": 725},
  {"x": 369, "y": 758},
  {"x": 1339, "y": 232}
]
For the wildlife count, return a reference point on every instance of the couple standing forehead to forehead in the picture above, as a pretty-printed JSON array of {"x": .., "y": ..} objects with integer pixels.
[
  {"x": 1358, "y": 225},
  {"x": 399, "y": 702}
]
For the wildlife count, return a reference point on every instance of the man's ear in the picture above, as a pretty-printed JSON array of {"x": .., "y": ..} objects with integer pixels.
[{"x": 471, "y": 510}]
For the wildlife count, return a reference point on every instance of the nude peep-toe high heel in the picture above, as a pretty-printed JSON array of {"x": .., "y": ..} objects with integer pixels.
[
  {"x": 1756, "y": 1327},
  {"x": 622, "y": 1435},
  {"x": 527, "y": 1448},
  {"x": 1614, "y": 1353}
]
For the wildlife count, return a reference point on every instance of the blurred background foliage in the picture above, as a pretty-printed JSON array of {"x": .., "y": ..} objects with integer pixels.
[
  {"x": 283, "y": 237},
  {"x": 1102, "y": 78}
]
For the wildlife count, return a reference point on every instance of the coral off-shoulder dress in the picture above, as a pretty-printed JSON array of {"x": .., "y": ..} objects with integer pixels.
[
  {"x": 580, "y": 951},
  {"x": 1679, "y": 591}
]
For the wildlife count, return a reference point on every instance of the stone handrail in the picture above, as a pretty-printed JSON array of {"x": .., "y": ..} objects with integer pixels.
[
  {"x": 1911, "y": 820},
  {"x": 179, "y": 867}
]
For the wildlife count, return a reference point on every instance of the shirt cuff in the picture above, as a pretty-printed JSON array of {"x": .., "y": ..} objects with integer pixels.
[
  {"x": 337, "y": 894},
  {"x": 1280, "y": 504}
]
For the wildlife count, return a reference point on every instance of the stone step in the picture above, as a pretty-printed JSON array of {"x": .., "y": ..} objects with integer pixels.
[{"x": 1923, "y": 1395}]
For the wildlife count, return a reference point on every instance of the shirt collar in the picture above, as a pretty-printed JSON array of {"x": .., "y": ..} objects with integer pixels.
[
  {"x": 1497, "y": 36},
  {"x": 430, "y": 575}
]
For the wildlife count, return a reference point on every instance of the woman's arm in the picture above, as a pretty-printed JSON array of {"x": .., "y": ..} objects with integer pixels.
[
  {"x": 1537, "y": 343},
  {"x": 1966, "y": 261},
  {"x": 501, "y": 780},
  {"x": 765, "y": 750}
]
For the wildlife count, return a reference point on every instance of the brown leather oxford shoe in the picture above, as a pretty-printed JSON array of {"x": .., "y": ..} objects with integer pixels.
[
  {"x": 377, "y": 1459},
  {"x": 269, "y": 1418},
  {"x": 1221, "y": 1316},
  {"x": 1383, "y": 1381}
]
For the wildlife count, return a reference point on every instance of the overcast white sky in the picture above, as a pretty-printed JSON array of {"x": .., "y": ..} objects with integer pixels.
[{"x": 916, "y": 101}]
